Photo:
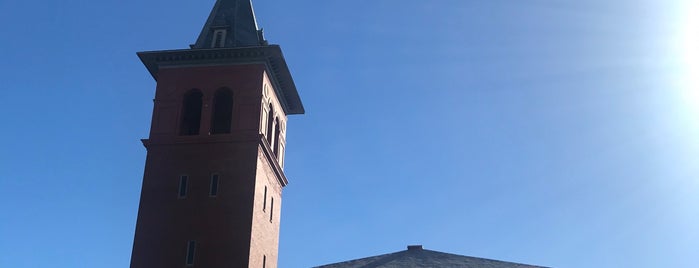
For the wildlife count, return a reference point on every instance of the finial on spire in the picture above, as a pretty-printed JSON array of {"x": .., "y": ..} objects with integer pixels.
[{"x": 232, "y": 23}]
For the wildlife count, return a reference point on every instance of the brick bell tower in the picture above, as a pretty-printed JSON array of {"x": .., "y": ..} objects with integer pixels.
[{"x": 213, "y": 180}]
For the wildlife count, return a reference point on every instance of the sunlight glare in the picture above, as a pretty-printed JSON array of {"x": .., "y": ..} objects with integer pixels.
[{"x": 690, "y": 54}]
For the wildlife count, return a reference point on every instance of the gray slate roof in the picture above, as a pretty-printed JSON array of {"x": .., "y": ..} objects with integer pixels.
[{"x": 415, "y": 257}]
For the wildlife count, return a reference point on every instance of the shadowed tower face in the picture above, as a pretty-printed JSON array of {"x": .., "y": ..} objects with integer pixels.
[{"x": 213, "y": 180}]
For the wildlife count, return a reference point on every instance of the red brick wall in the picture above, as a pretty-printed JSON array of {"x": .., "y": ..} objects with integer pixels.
[{"x": 231, "y": 229}]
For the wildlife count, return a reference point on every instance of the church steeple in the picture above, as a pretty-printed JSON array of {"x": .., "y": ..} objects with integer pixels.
[
  {"x": 213, "y": 181},
  {"x": 231, "y": 24}
]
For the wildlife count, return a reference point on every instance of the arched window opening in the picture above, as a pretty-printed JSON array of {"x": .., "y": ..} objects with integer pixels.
[
  {"x": 270, "y": 124},
  {"x": 223, "y": 112},
  {"x": 191, "y": 113},
  {"x": 277, "y": 140}
]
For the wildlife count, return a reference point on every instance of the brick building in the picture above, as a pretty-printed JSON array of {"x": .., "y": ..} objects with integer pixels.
[
  {"x": 213, "y": 180},
  {"x": 212, "y": 186}
]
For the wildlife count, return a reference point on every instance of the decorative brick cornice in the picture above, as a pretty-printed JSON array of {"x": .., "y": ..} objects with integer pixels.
[{"x": 271, "y": 56}]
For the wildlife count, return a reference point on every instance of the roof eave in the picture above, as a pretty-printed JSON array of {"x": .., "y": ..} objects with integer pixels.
[{"x": 271, "y": 56}]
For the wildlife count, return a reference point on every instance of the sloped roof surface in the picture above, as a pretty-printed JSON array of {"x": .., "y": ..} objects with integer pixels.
[
  {"x": 235, "y": 16},
  {"x": 417, "y": 257}
]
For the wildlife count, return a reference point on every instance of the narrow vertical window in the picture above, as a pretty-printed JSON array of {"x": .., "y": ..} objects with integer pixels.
[
  {"x": 270, "y": 124},
  {"x": 219, "y": 39},
  {"x": 213, "y": 190},
  {"x": 271, "y": 210},
  {"x": 277, "y": 140},
  {"x": 263, "y": 121},
  {"x": 191, "y": 246},
  {"x": 222, "y": 116},
  {"x": 182, "y": 192},
  {"x": 191, "y": 113},
  {"x": 280, "y": 156},
  {"x": 264, "y": 261},
  {"x": 264, "y": 202}
]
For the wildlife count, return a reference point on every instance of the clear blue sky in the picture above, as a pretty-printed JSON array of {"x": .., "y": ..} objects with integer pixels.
[{"x": 558, "y": 133}]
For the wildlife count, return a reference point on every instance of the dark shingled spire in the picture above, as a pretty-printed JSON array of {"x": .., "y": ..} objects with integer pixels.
[{"x": 231, "y": 24}]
